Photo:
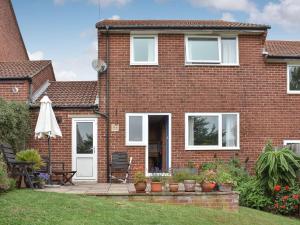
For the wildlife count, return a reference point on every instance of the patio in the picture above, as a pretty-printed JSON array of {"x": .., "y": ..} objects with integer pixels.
[{"x": 216, "y": 200}]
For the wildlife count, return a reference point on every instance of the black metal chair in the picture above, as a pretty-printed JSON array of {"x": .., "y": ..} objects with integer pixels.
[
  {"x": 119, "y": 165},
  {"x": 21, "y": 169}
]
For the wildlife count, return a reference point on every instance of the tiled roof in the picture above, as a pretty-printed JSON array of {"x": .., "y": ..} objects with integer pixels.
[
  {"x": 283, "y": 49},
  {"x": 24, "y": 69},
  {"x": 71, "y": 93},
  {"x": 180, "y": 24}
]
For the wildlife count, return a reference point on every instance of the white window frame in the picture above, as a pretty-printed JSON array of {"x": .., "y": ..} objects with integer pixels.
[
  {"x": 132, "y": 61},
  {"x": 210, "y": 147},
  {"x": 286, "y": 142},
  {"x": 189, "y": 62},
  {"x": 288, "y": 79},
  {"x": 145, "y": 130}
]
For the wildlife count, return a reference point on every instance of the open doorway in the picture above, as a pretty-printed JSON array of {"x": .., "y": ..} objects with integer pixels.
[{"x": 158, "y": 144}]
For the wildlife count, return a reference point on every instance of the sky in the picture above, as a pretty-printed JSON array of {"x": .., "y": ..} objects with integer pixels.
[{"x": 64, "y": 30}]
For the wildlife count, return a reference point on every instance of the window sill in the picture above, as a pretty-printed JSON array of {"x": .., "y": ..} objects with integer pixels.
[
  {"x": 144, "y": 64},
  {"x": 211, "y": 64},
  {"x": 211, "y": 149},
  {"x": 293, "y": 92}
]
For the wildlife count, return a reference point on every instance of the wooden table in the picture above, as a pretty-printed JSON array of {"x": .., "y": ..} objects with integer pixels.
[{"x": 66, "y": 176}]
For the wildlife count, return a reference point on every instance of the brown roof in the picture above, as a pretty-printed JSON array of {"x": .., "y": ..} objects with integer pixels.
[
  {"x": 21, "y": 70},
  {"x": 178, "y": 24},
  {"x": 71, "y": 93},
  {"x": 283, "y": 49}
]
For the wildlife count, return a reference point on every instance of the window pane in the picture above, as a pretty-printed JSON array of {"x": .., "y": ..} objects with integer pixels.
[
  {"x": 144, "y": 49},
  {"x": 203, "y": 130},
  {"x": 84, "y": 139},
  {"x": 203, "y": 49},
  {"x": 229, "y": 130},
  {"x": 294, "y": 77},
  {"x": 135, "y": 128},
  {"x": 229, "y": 51}
]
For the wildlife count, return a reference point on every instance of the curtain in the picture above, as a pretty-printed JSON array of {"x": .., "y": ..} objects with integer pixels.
[
  {"x": 191, "y": 130},
  {"x": 230, "y": 130},
  {"x": 229, "y": 51},
  {"x": 151, "y": 49}
]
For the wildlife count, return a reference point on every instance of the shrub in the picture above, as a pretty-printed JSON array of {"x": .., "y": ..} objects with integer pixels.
[
  {"x": 286, "y": 199},
  {"x": 180, "y": 176},
  {"x": 224, "y": 177},
  {"x": 277, "y": 167},
  {"x": 208, "y": 176},
  {"x": 139, "y": 177},
  {"x": 5, "y": 182},
  {"x": 31, "y": 155},
  {"x": 14, "y": 123},
  {"x": 252, "y": 195}
]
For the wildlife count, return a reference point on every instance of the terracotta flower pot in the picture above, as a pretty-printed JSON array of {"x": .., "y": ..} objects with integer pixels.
[
  {"x": 156, "y": 186},
  {"x": 189, "y": 185},
  {"x": 173, "y": 187},
  {"x": 225, "y": 187},
  {"x": 208, "y": 186},
  {"x": 140, "y": 187}
]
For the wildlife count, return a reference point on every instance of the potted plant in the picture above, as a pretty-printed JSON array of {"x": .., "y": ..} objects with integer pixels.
[
  {"x": 173, "y": 184},
  {"x": 140, "y": 182},
  {"x": 156, "y": 184},
  {"x": 225, "y": 181},
  {"x": 208, "y": 180},
  {"x": 42, "y": 180},
  {"x": 189, "y": 183}
]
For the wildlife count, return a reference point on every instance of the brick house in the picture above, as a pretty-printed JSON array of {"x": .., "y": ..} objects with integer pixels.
[{"x": 174, "y": 91}]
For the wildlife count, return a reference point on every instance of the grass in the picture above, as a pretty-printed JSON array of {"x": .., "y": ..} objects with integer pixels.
[{"x": 28, "y": 207}]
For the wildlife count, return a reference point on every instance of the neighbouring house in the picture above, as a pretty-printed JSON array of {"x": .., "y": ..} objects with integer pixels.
[{"x": 174, "y": 91}]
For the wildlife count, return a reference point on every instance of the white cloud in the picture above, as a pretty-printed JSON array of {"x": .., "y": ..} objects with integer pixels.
[
  {"x": 37, "y": 55},
  {"x": 64, "y": 75},
  {"x": 285, "y": 13},
  {"x": 227, "y": 17},
  {"x": 228, "y": 5},
  {"x": 115, "y": 17},
  {"x": 59, "y": 2}
]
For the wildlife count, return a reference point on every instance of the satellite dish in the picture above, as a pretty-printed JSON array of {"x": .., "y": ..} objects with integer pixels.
[{"x": 99, "y": 65}]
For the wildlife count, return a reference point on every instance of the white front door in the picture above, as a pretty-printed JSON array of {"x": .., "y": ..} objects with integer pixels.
[{"x": 84, "y": 148}]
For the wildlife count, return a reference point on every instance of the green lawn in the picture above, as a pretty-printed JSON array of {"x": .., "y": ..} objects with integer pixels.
[{"x": 32, "y": 207}]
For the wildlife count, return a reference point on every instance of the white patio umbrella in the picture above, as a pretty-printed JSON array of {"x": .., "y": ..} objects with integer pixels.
[{"x": 47, "y": 126}]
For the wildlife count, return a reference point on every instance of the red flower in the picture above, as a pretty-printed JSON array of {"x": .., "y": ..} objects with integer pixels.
[
  {"x": 296, "y": 206},
  {"x": 277, "y": 188},
  {"x": 284, "y": 198},
  {"x": 283, "y": 207},
  {"x": 276, "y": 205},
  {"x": 296, "y": 197},
  {"x": 287, "y": 188}
]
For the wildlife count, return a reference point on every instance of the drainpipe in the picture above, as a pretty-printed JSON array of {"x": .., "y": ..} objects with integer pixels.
[
  {"x": 30, "y": 90},
  {"x": 107, "y": 101}
]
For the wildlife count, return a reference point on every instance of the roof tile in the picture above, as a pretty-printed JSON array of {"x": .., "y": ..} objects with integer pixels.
[{"x": 288, "y": 49}]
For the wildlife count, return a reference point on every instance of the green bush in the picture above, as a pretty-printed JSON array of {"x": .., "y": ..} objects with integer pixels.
[
  {"x": 14, "y": 123},
  {"x": 5, "y": 182},
  {"x": 31, "y": 155},
  {"x": 139, "y": 177},
  {"x": 252, "y": 195},
  {"x": 277, "y": 167}
]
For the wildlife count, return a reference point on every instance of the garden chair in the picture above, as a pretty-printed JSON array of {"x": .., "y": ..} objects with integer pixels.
[
  {"x": 21, "y": 169},
  {"x": 119, "y": 165}
]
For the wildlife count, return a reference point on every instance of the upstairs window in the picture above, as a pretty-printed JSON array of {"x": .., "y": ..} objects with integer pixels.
[
  {"x": 293, "y": 79},
  {"x": 143, "y": 50},
  {"x": 211, "y": 50}
]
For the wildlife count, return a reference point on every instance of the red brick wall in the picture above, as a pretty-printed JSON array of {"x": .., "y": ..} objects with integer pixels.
[
  {"x": 39, "y": 79},
  {"x": 11, "y": 43},
  {"x": 6, "y": 92},
  {"x": 255, "y": 89},
  {"x": 62, "y": 147}
]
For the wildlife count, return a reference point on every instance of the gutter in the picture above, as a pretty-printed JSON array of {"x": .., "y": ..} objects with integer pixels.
[{"x": 283, "y": 57}]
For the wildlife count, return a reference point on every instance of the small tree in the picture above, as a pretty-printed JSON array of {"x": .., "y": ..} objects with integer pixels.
[{"x": 14, "y": 123}]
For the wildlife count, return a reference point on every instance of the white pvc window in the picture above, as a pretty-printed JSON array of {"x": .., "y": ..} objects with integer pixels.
[
  {"x": 143, "y": 50},
  {"x": 211, "y": 50},
  {"x": 136, "y": 129},
  {"x": 211, "y": 131},
  {"x": 293, "y": 79}
]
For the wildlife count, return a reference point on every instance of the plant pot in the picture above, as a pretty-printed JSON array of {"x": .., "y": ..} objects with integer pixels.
[
  {"x": 156, "y": 186},
  {"x": 189, "y": 185},
  {"x": 225, "y": 187},
  {"x": 173, "y": 187},
  {"x": 140, "y": 187},
  {"x": 208, "y": 186}
]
